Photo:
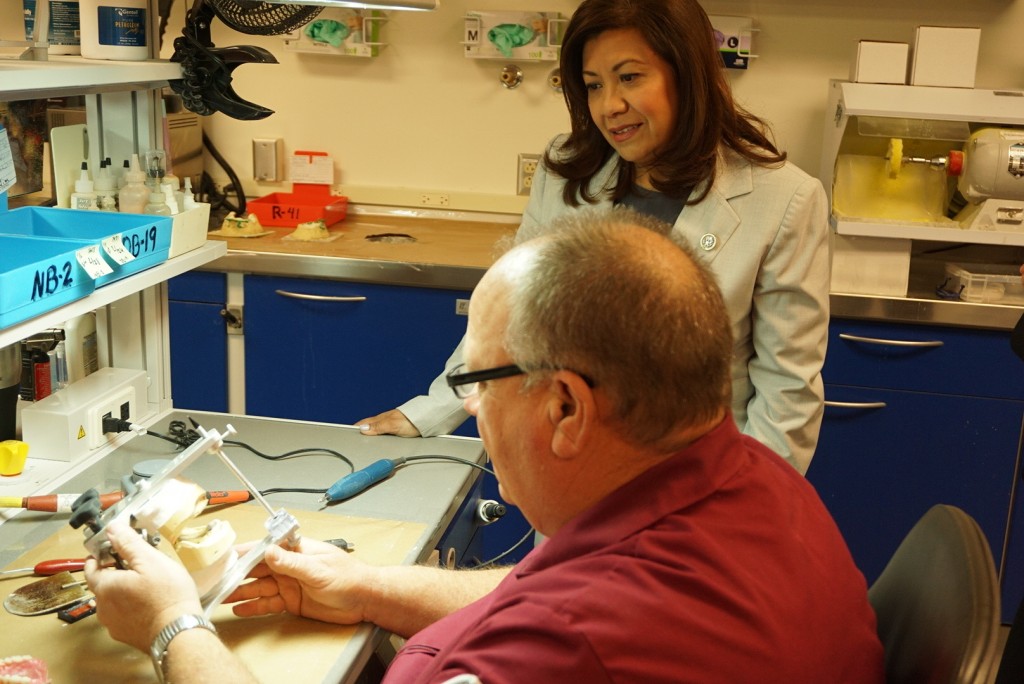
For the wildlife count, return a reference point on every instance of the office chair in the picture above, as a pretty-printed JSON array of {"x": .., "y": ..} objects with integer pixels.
[
  {"x": 937, "y": 603},
  {"x": 1011, "y": 662}
]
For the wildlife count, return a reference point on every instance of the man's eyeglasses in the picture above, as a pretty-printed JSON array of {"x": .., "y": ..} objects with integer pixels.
[{"x": 465, "y": 384}]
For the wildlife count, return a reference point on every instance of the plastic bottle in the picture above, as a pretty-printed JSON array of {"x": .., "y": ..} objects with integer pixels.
[
  {"x": 188, "y": 197},
  {"x": 169, "y": 198},
  {"x": 106, "y": 199},
  {"x": 122, "y": 177},
  {"x": 84, "y": 197},
  {"x": 157, "y": 204},
  {"x": 64, "y": 22},
  {"x": 134, "y": 195},
  {"x": 81, "y": 346},
  {"x": 115, "y": 29}
]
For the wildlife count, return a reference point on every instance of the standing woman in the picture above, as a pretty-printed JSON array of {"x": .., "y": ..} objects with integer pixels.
[{"x": 654, "y": 127}]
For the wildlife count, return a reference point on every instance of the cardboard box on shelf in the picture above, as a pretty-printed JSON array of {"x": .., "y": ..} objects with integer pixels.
[
  {"x": 879, "y": 61},
  {"x": 945, "y": 56}
]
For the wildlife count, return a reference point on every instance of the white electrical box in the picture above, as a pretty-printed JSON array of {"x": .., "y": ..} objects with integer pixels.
[{"x": 68, "y": 425}]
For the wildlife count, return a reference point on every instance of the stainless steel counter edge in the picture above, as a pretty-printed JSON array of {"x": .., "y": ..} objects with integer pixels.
[
  {"x": 911, "y": 309},
  {"x": 929, "y": 311},
  {"x": 343, "y": 268}
]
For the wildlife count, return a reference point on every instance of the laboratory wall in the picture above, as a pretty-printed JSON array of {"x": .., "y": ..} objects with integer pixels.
[{"x": 422, "y": 118}]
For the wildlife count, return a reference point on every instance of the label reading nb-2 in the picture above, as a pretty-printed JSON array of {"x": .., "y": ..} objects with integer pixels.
[{"x": 52, "y": 279}]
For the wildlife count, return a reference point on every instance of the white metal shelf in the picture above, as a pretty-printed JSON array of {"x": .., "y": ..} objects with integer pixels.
[
  {"x": 926, "y": 231},
  {"x": 109, "y": 294},
  {"x": 26, "y": 79},
  {"x": 925, "y": 102}
]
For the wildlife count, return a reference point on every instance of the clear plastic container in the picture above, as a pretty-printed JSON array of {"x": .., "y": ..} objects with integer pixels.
[{"x": 987, "y": 283}]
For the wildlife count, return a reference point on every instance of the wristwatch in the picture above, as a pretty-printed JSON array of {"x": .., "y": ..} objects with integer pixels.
[{"x": 158, "y": 651}]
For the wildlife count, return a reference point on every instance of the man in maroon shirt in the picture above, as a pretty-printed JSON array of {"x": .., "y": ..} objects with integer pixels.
[{"x": 597, "y": 363}]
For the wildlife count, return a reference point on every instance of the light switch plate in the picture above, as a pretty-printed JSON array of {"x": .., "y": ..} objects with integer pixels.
[{"x": 268, "y": 159}]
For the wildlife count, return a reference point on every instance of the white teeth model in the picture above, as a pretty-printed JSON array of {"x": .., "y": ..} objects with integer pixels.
[
  {"x": 170, "y": 508},
  {"x": 23, "y": 670},
  {"x": 207, "y": 552}
]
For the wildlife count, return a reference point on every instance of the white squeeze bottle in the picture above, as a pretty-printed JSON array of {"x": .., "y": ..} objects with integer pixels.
[
  {"x": 84, "y": 197},
  {"x": 135, "y": 194},
  {"x": 105, "y": 192},
  {"x": 189, "y": 198},
  {"x": 157, "y": 204}
]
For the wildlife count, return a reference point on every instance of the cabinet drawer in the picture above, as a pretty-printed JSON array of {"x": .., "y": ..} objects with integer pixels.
[
  {"x": 198, "y": 286},
  {"x": 923, "y": 358},
  {"x": 334, "y": 351}
]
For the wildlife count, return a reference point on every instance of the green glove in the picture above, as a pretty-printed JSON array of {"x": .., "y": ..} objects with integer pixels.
[
  {"x": 508, "y": 36},
  {"x": 327, "y": 31}
]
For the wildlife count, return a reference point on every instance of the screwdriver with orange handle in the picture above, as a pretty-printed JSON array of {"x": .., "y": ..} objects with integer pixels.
[
  {"x": 61, "y": 503},
  {"x": 48, "y": 568}
]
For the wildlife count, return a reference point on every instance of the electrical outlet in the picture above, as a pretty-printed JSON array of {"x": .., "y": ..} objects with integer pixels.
[
  {"x": 121, "y": 406},
  {"x": 525, "y": 168},
  {"x": 434, "y": 199}
]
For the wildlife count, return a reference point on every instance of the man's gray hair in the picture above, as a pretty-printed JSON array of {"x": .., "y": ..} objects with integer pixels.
[{"x": 651, "y": 333}]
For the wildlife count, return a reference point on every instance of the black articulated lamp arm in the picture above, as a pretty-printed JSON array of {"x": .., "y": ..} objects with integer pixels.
[{"x": 205, "y": 86}]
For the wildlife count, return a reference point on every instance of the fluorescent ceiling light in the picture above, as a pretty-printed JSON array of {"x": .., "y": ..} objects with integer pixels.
[{"x": 366, "y": 4}]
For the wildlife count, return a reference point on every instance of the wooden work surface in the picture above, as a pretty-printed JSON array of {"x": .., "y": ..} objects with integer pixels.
[
  {"x": 435, "y": 241},
  {"x": 281, "y": 648}
]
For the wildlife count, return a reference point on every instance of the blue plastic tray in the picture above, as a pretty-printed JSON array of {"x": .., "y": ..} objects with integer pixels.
[
  {"x": 37, "y": 275},
  {"x": 148, "y": 238}
]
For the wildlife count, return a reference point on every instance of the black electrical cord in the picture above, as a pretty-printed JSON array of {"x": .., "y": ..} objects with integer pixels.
[
  {"x": 441, "y": 457},
  {"x": 529, "y": 533},
  {"x": 207, "y": 186}
]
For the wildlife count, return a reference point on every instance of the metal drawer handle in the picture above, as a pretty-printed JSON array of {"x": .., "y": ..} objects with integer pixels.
[
  {"x": 318, "y": 298},
  {"x": 891, "y": 343},
  {"x": 856, "y": 404}
]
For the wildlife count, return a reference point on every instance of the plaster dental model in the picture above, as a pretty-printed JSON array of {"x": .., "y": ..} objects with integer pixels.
[
  {"x": 310, "y": 230},
  {"x": 205, "y": 550},
  {"x": 234, "y": 225}
]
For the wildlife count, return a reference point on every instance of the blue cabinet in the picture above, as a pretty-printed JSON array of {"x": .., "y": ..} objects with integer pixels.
[
  {"x": 919, "y": 415},
  {"x": 337, "y": 351},
  {"x": 199, "y": 375}
]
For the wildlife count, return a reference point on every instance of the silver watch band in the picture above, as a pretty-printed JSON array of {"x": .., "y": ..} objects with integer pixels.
[{"x": 158, "y": 651}]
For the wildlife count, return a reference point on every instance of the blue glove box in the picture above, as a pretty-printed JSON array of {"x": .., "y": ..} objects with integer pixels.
[
  {"x": 146, "y": 237},
  {"x": 37, "y": 275}
]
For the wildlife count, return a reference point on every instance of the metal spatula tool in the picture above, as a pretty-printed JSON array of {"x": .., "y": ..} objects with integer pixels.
[{"x": 46, "y": 595}]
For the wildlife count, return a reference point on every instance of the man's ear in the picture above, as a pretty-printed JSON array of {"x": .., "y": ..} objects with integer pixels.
[{"x": 571, "y": 409}]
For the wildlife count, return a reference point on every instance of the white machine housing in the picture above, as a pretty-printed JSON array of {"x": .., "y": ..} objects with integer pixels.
[{"x": 871, "y": 254}]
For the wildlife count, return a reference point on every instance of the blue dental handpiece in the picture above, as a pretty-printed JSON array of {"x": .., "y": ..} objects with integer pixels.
[{"x": 356, "y": 482}]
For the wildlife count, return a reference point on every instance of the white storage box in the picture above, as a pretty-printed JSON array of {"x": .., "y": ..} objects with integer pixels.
[
  {"x": 988, "y": 283},
  {"x": 870, "y": 265},
  {"x": 188, "y": 229},
  {"x": 880, "y": 62},
  {"x": 945, "y": 56}
]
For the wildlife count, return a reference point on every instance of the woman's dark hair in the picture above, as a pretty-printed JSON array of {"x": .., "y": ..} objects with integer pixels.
[{"x": 681, "y": 34}]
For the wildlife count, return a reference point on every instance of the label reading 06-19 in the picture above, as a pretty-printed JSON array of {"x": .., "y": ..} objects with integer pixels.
[{"x": 140, "y": 243}]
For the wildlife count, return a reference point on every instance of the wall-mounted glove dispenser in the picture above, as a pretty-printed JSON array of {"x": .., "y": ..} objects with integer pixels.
[
  {"x": 348, "y": 32},
  {"x": 520, "y": 36}
]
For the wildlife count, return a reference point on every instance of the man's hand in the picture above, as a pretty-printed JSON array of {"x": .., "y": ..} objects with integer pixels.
[
  {"x": 135, "y": 604},
  {"x": 319, "y": 581},
  {"x": 391, "y": 422}
]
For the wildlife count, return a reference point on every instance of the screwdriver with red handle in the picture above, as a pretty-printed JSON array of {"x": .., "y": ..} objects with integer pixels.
[{"x": 48, "y": 568}]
